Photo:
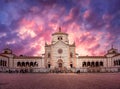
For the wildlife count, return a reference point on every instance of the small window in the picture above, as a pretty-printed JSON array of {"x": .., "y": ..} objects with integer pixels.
[
  {"x": 71, "y": 54},
  {"x": 49, "y": 65},
  {"x": 71, "y": 65},
  {"x": 60, "y": 38},
  {"x": 31, "y": 63},
  {"x": 84, "y": 64},
  {"x": 101, "y": 63},
  {"x": 18, "y": 64},
  {"x": 48, "y": 55},
  {"x": 23, "y": 63}
]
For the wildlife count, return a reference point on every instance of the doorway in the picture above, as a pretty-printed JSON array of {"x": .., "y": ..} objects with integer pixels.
[{"x": 60, "y": 65}]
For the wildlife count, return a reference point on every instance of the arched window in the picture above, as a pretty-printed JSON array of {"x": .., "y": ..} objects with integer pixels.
[
  {"x": 23, "y": 63},
  {"x": 92, "y": 64},
  {"x": 31, "y": 63},
  {"x": 60, "y": 65},
  {"x": 60, "y": 38},
  {"x": 84, "y": 64},
  {"x": 27, "y": 64},
  {"x": 18, "y": 64},
  {"x": 71, "y": 65},
  {"x": 49, "y": 65},
  {"x": 49, "y": 55},
  {"x": 71, "y": 55},
  {"x": 97, "y": 64},
  {"x": 88, "y": 63},
  {"x": 101, "y": 63}
]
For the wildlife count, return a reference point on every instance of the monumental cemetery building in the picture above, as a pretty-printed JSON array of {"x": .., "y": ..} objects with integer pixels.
[{"x": 60, "y": 56}]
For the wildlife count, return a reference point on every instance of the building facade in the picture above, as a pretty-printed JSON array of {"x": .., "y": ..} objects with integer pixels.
[{"x": 60, "y": 56}]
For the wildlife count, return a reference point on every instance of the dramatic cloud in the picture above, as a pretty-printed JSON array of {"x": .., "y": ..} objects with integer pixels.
[{"x": 25, "y": 25}]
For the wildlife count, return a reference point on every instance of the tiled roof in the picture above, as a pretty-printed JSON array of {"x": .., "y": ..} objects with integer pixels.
[{"x": 4, "y": 56}]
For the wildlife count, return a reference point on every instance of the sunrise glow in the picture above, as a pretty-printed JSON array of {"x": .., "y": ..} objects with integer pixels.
[{"x": 25, "y": 25}]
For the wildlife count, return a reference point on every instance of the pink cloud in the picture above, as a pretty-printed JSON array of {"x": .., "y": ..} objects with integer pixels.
[{"x": 87, "y": 14}]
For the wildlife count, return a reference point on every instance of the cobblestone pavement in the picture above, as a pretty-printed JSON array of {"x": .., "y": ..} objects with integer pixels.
[{"x": 60, "y": 81}]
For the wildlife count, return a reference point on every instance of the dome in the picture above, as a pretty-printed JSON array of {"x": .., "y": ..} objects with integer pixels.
[
  {"x": 59, "y": 32},
  {"x": 112, "y": 51},
  {"x": 7, "y": 51}
]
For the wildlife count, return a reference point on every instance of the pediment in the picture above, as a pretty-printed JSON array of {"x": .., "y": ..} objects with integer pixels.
[{"x": 60, "y": 43}]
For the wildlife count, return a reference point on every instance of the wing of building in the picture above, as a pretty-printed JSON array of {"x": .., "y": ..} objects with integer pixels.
[{"x": 60, "y": 56}]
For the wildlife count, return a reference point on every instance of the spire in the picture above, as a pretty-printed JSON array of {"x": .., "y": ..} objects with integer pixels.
[{"x": 59, "y": 29}]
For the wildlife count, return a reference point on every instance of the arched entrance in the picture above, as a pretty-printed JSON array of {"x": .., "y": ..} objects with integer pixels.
[
  {"x": 60, "y": 67},
  {"x": 60, "y": 63}
]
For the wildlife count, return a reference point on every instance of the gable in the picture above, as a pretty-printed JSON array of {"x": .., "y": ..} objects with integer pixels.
[{"x": 60, "y": 44}]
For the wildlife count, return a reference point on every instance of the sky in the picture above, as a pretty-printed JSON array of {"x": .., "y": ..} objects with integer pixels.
[{"x": 25, "y": 25}]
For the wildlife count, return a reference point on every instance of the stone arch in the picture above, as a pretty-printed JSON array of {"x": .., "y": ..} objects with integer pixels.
[
  {"x": 88, "y": 63},
  {"x": 23, "y": 63},
  {"x": 18, "y": 64},
  {"x": 60, "y": 63},
  {"x": 97, "y": 64},
  {"x": 92, "y": 63},
  {"x": 84, "y": 64},
  {"x": 27, "y": 64},
  {"x": 31, "y": 63}
]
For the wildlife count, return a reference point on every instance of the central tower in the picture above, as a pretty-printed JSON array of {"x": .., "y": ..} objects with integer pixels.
[{"x": 60, "y": 54}]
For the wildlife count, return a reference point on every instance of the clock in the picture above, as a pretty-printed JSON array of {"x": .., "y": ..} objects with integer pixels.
[{"x": 60, "y": 51}]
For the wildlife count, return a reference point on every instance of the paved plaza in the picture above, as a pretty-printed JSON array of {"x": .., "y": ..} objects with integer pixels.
[{"x": 60, "y": 81}]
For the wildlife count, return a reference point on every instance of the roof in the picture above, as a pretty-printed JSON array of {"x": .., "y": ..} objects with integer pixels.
[
  {"x": 27, "y": 57},
  {"x": 116, "y": 55},
  {"x": 59, "y": 33},
  {"x": 4, "y": 56},
  {"x": 91, "y": 57}
]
